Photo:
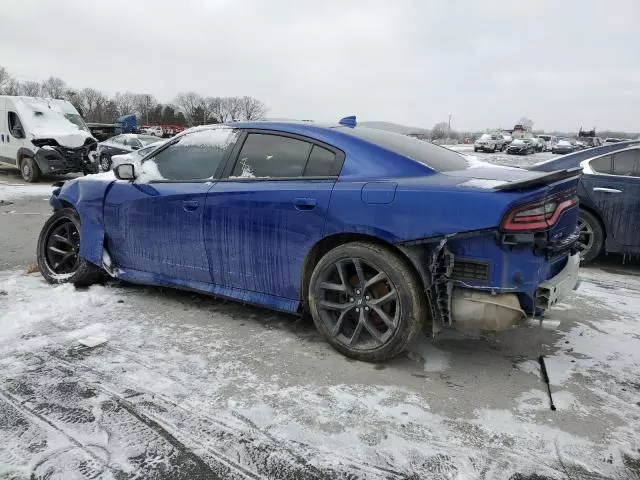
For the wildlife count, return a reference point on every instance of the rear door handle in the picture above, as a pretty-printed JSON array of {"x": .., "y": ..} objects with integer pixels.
[
  {"x": 304, "y": 203},
  {"x": 190, "y": 205},
  {"x": 607, "y": 190}
]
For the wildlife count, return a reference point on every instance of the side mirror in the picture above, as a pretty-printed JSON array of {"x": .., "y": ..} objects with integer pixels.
[
  {"x": 17, "y": 132},
  {"x": 125, "y": 171}
]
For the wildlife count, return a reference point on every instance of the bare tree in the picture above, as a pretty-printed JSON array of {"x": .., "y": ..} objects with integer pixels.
[
  {"x": 233, "y": 108},
  {"x": 11, "y": 87},
  {"x": 214, "y": 107},
  {"x": 143, "y": 104},
  {"x": 93, "y": 102},
  {"x": 125, "y": 102},
  {"x": 440, "y": 131},
  {"x": 4, "y": 79},
  {"x": 527, "y": 123},
  {"x": 251, "y": 108},
  {"x": 30, "y": 89},
  {"x": 54, "y": 87},
  {"x": 190, "y": 103}
]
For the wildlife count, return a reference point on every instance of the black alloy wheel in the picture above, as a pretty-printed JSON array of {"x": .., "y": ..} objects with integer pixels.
[{"x": 366, "y": 301}]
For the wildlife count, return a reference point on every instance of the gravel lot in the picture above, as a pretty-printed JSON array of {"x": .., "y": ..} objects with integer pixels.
[{"x": 180, "y": 385}]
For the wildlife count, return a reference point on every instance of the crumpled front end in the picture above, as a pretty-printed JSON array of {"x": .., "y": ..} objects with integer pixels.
[{"x": 55, "y": 159}]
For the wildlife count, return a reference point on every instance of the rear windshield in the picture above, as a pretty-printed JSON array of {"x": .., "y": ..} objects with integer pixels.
[{"x": 433, "y": 156}]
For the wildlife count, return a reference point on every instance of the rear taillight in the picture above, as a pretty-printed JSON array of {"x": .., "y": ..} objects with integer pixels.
[{"x": 537, "y": 216}]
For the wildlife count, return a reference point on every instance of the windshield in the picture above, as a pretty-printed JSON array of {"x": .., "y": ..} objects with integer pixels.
[
  {"x": 147, "y": 139},
  {"x": 564, "y": 142},
  {"x": 433, "y": 156},
  {"x": 485, "y": 136},
  {"x": 77, "y": 120},
  {"x": 545, "y": 137},
  {"x": 517, "y": 141}
]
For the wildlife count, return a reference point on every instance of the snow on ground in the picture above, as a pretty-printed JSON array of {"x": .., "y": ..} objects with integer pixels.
[
  {"x": 181, "y": 385},
  {"x": 10, "y": 190}
]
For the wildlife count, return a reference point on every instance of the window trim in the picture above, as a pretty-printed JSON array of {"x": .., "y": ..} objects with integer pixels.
[
  {"x": 235, "y": 155},
  {"x": 216, "y": 174},
  {"x": 588, "y": 170}
]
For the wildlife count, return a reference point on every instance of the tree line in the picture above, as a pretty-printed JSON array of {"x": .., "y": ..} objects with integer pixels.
[{"x": 187, "y": 109}]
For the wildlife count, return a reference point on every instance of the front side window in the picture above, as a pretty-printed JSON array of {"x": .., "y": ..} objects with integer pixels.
[
  {"x": 626, "y": 163},
  {"x": 265, "y": 155},
  {"x": 195, "y": 156},
  {"x": 14, "y": 123}
]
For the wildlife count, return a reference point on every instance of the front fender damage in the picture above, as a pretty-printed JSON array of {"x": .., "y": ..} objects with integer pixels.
[{"x": 86, "y": 196}]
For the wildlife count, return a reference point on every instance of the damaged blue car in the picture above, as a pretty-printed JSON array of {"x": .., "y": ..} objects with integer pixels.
[{"x": 376, "y": 234}]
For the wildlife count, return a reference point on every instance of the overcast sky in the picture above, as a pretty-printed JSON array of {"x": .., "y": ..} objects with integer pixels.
[{"x": 561, "y": 63}]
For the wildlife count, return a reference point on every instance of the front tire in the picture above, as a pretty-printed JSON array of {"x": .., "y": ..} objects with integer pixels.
[
  {"x": 366, "y": 301},
  {"x": 105, "y": 163},
  {"x": 591, "y": 237},
  {"x": 58, "y": 251},
  {"x": 29, "y": 170}
]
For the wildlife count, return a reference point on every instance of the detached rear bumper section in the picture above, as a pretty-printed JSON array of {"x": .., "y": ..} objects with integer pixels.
[{"x": 459, "y": 305}]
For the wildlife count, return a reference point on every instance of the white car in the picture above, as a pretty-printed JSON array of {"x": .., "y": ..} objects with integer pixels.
[
  {"x": 155, "y": 130},
  {"x": 550, "y": 141},
  {"x": 489, "y": 143},
  {"x": 135, "y": 156}
]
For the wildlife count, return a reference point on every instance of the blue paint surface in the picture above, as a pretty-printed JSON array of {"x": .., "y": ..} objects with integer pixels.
[{"x": 249, "y": 239}]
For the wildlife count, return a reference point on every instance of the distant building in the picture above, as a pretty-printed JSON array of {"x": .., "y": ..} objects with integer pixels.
[{"x": 519, "y": 131}]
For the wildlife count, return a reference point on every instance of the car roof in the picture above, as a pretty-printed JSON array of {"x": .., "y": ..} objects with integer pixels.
[{"x": 573, "y": 160}]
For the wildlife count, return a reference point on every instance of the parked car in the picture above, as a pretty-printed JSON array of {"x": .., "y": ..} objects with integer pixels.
[
  {"x": 125, "y": 143},
  {"x": 613, "y": 140},
  {"x": 44, "y": 136},
  {"x": 135, "y": 156},
  {"x": 609, "y": 194},
  {"x": 521, "y": 146},
  {"x": 563, "y": 146},
  {"x": 550, "y": 141},
  {"x": 489, "y": 143},
  {"x": 539, "y": 145},
  {"x": 377, "y": 234},
  {"x": 155, "y": 130},
  {"x": 588, "y": 139}
]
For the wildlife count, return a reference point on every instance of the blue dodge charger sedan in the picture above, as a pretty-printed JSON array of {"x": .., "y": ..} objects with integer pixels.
[
  {"x": 376, "y": 234},
  {"x": 609, "y": 194}
]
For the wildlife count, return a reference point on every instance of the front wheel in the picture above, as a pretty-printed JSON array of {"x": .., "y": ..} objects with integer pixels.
[
  {"x": 591, "y": 236},
  {"x": 105, "y": 163},
  {"x": 366, "y": 301},
  {"x": 29, "y": 170},
  {"x": 59, "y": 260}
]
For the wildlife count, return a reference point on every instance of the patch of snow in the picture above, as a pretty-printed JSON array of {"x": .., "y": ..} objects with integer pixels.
[
  {"x": 423, "y": 350},
  {"x": 482, "y": 183},
  {"x": 246, "y": 170},
  {"x": 44, "y": 118},
  {"x": 12, "y": 191},
  {"x": 148, "y": 172}
]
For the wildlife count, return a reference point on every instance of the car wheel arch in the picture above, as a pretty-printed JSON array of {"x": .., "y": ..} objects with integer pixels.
[{"x": 330, "y": 242}]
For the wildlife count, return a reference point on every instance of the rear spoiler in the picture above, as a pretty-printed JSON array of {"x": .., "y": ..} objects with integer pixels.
[{"x": 542, "y": 179}]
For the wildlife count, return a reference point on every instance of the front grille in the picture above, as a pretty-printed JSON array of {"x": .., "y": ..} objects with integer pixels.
[
  {"x": 470, "y": 270},
  {"x": 74, "y": 157}
]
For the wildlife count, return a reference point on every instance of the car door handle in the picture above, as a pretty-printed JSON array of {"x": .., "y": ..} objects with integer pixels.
[
  {"x": 305, "y": 203},
  {"x": 607, "y": 190},
  {"x": 190, "y": 205}
]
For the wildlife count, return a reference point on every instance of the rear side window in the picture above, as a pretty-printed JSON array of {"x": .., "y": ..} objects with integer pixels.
[
  {"x": 195, "y": 156},
  {"x": 626, "y": 163},
  {"x": 265, "y": 155},
  {"x": 322, "y": 163},
  {"x": 437, "y": 158},
  {"x": 602, "y": 165}
]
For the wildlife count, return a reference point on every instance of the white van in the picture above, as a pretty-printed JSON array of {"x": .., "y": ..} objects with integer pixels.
[{"x": 44, "y": 136}]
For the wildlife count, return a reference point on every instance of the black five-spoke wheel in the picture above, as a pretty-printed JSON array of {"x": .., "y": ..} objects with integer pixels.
[
  {"x": 366, "y": 300},
  {"x": 63, "y": 243},
  {"x": 59, "y": 257},
  {"x": 358, "y": 303}
]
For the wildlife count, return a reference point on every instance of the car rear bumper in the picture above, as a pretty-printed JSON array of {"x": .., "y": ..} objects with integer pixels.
[{"x": 557, "y": 288}]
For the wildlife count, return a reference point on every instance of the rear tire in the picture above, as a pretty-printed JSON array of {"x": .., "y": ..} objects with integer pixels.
[
  {"x": 591, "y": 237},
  {"x": 366, "y": 301},
  {"x": 58, "y": 251},
  {"x": 29, "y": 170}
]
